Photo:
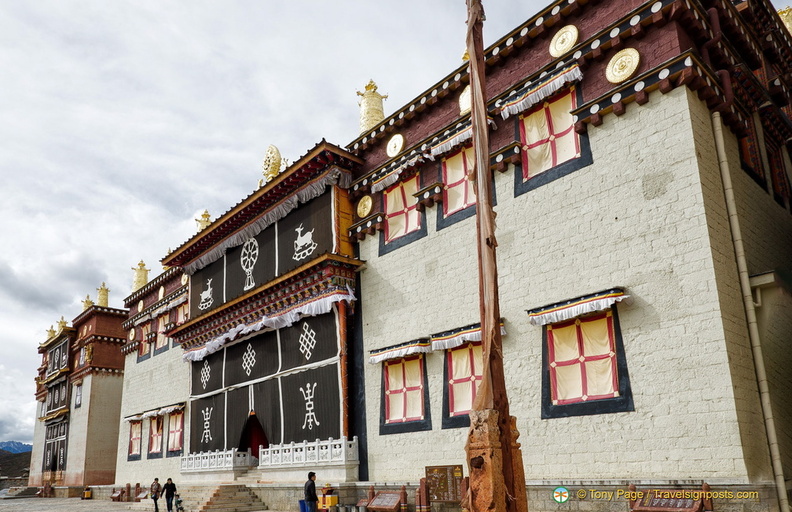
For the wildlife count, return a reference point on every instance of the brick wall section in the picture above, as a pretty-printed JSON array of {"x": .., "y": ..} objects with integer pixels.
[
  {"x": 635, "y": 218},
  {"x": 161, "y": 380},
  {"x": 737, "y": 342},
  {"x": 775, "y": 323}
]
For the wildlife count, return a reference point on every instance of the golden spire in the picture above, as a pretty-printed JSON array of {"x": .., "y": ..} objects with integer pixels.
[
  {"x": 465, "y": 56},
  {"x": 50, "y": 332},
  {"x": 62, "y": 324},
  {"x": 371, "y": 111},
  {"x": 786, "y": 17},
  {"x": 204, "y": 221},
  {"x": 141, "y": 276},
  {"x": 87, "y": 303},
  {"x": 101, "y": 298}
]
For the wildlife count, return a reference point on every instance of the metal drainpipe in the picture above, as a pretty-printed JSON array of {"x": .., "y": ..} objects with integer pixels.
[{"x": 750, "y": 313}]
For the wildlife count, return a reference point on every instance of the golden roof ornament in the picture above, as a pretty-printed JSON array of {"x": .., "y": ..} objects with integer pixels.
[
  {"x": 87, "y": 303},
  {"x": 371, "y": 110},
  {"x": 101, "y": 297},
  {"x": 465, "y": 56},
  {"x": 271, "y": 165},
  {"x": 141, "y": 276},
  {"x": 786, "y": 17},
  {"x": 204, "y": 220},
  {"x": 50, "y": 332},
  {"x": 62, "y": 324}
]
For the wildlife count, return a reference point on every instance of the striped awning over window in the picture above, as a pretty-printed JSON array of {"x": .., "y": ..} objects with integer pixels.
[
  {"x": 566, "y": 310},
  {"x": 407, "y": 348},
  {"x": 457, "y": 337},
  {"x": 537, "y": 90}
]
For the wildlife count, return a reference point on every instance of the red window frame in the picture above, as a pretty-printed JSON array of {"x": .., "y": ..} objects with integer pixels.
[
  {"x": 471, "y": 376},
  {"x": 155, "y": 434},
  {"x": 162, "y": 339},
  {"x": 135, "y": 437},
  {"x": 409, "y": 210},
  {"x": 582, "y": 359},
  {"x": 404, "y": 389},
  {"x": 469, "y": 188},
  {"x": 176, "y": 431},
  {"x": 552, "y": 134}
]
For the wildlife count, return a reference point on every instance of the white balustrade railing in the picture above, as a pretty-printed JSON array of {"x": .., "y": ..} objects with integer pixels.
[
  {"x": 313, "y": 453},
  {"x": 227, "y": 460}
]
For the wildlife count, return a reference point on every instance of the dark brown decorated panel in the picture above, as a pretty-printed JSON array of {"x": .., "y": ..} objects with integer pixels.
[
  {"x": 237, "y": 411},
  {"x": 252, "y": 359},
  {"x": 207, "y": 288},
  {"x": 305, "y": 233},
  {"x": 310, "y": 340},
  {"x": 251, "y": 264},
  {"x": 207, "y": 429},
  {"x": 207, "y": 375},
  {"x": 311, "y": 404}
]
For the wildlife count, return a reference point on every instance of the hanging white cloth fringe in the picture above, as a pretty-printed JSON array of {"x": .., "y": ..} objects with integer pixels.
[{"x": 543, "y": 91}]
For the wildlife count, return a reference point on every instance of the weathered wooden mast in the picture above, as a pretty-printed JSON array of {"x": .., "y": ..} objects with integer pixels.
[{"x": 497, "y": 481}]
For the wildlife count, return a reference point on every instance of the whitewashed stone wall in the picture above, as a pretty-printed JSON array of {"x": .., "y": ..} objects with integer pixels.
[
  {"x": 635, "y": 218},
  {"x": 37, "y": 453},
  {"x": 161, "y": 380}
]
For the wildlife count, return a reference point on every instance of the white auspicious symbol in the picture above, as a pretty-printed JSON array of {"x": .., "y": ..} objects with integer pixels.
[
  {"x": 248, "y": 359},
  {"x": 207, "y": 433},
  {"x": 247, "y": 259},
  {"x": 206, "y": 296},
  {"x": 307, "y": 341},
  {"x": 206, "y": 373},
  {"x": 61, "y": 456},
  {"x": 310, "y": 415},
  {"x": 304, "y": 245}
]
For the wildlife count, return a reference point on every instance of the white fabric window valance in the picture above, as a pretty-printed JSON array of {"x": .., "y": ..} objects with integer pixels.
[
  {"x": 572, "y": 308},
  {"x": 421, "y": 345},
  {"x": 533, "y": 92},
  {"x": 457, "y": 337},
  {"x": 162, "y": 411}
]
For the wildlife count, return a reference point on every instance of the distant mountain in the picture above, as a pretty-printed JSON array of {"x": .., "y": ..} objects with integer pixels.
[
  {"x": 14, "y": 465},
  {"x": 15, "y": 447}
]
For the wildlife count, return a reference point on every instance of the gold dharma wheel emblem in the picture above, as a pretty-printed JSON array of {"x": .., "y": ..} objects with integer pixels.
[
  {"x": 623, "y": 65},
  {"x": 364, "y": 206},
  {"x": 395, "y": 145},
  {"x": 563, "y": 40}
]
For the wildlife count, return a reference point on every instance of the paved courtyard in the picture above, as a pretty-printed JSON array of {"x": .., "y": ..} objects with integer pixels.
[{"x": 61, "y": 505}]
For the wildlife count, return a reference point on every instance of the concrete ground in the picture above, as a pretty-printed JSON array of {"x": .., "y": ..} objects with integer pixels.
[{"x": 60, "y": 505}]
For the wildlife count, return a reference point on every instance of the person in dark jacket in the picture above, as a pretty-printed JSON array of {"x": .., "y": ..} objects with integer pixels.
[
  {"x": 156, "y": 489},
  {"x": 170, "y": 491},
  {"x": 310, "y": 492}
]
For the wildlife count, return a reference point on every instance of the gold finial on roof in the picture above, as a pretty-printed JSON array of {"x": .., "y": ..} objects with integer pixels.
[
  {"x": 371, "y": 110},
  {"x": 141, "y": 276},
  {"x": 465, "y": 56},
  {"x": 786, "y": 17},
  {"x": 271, "y": 165},
  {"x": 50, "y": 332},
  {"x": 87, "y": 303},
  {"x": 62, "y": 324},
  {"x": 204, "y": 220},
  {"x": 102, "y": 296}
]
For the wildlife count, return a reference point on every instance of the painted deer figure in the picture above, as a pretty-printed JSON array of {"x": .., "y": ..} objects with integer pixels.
[
  {"x": 303, "y": 239},
  {"x": 206, "y": 296}
]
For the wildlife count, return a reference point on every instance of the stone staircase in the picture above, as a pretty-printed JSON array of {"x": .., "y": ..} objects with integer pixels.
[{"x": 201, "y": 498}]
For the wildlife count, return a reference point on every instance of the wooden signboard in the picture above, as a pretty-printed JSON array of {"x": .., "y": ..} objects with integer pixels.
[
  {"x": 444, "y": 483},
  {"x": 386, "y": 501}
]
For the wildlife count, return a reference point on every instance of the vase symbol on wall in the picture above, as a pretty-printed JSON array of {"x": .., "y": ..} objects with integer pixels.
[
  {"x": 304, "y": 245},
  {"x": 247, "y": 259},
  {"x": 206, "y": 296}
]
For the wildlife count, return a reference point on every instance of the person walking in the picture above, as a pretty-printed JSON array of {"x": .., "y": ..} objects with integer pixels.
[
  {"x": 155, "y": 490},
  {"x": 170, "y": 491},
  {"x": 310, "y": 492}
]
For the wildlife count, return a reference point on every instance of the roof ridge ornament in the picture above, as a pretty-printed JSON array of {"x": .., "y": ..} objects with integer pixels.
[
  {"x": 371, "y": 109},
  {"x": 141, "y": 276}
]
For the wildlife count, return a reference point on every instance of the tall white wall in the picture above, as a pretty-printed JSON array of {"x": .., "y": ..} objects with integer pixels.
[{"x": 634, "y": 218}]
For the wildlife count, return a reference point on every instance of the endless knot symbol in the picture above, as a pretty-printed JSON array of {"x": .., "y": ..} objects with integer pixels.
[
  {"x": 248, "y": 359},
  {"x": 310, "y": 415},
  {"x": 307, "y": 341},
  {"x": 205, "y": 373}
]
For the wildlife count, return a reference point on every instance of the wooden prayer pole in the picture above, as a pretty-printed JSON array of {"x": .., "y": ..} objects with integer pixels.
[{"x": 497, "y": 481}]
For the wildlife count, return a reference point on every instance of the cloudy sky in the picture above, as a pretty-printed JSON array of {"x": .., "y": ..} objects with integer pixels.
[{"x": 121, "y": 121}]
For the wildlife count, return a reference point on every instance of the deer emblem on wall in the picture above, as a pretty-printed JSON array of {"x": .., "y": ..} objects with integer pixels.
[
  {"x": 206, "y": 296},
  {"x": 304, "y": 245}
]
